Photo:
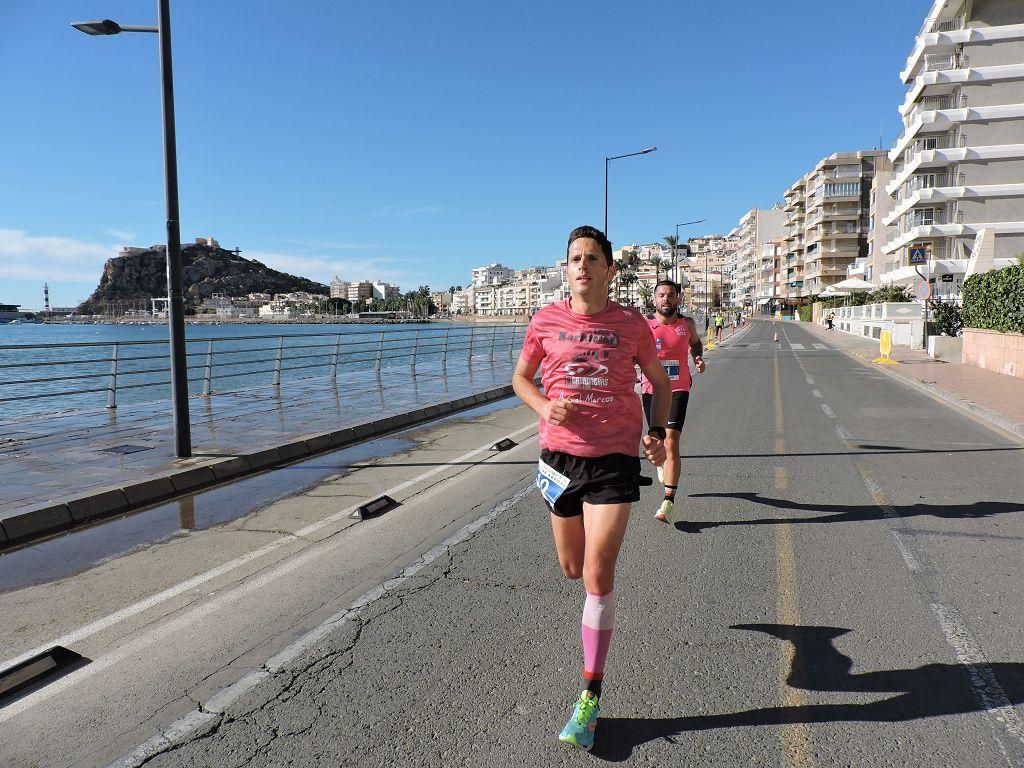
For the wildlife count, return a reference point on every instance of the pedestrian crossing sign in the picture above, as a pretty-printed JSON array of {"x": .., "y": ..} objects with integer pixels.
[{"x": 918, "y": 255}]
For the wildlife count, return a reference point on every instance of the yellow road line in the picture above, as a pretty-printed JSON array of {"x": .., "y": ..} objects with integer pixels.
[
  {"x": 796, "y": 746},
  {"x": 795, "y": 742},
  {"x": 779, "y": 426}
]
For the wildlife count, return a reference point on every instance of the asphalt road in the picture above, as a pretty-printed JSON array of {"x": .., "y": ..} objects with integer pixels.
[{"x": 843, "y": 591}]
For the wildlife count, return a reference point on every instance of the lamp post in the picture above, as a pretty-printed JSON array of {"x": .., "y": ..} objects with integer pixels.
[
  {"x": 675, "y": 260},
  {"x": 175, "y": 290},
  {"x": 607, "y": 162}
]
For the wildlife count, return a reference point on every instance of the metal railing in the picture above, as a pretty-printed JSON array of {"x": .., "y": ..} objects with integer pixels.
[
  {"x": 85, "y": 374},
  {"x": 949, "y": 25},
  {"x": 944, "y": 61}
]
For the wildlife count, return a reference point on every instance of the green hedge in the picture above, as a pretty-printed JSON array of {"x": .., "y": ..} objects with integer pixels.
[
  {"x": 995, "y": 300},
  {"x": 805, "y": 313}
]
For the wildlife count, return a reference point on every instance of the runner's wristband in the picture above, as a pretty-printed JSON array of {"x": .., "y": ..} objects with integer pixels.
[{"x": 658, "y": 432}]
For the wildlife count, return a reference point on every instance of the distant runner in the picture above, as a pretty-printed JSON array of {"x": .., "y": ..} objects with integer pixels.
[
  {"x": 590, "y": 430},
  {"x": 676, "y": 339},
  {"x": 719, "y": 325}
]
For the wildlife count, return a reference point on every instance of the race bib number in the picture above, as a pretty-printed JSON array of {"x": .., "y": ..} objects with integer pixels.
[
  {"x": 671, "y": 368},
  {"x": 551, "y": 483}
]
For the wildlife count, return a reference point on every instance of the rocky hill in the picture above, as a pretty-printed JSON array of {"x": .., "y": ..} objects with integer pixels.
[{"x": 142, "y": 275}]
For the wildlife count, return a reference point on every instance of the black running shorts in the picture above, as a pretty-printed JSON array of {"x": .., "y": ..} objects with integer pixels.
[
  {"x": 611, "y": 479},
  {"x": 676, "y": 411}
]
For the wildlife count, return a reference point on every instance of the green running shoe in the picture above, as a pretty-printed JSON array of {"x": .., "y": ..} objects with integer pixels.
[
  {"x": 579, "y": 731},
  {"x": 666, "y": 512}
]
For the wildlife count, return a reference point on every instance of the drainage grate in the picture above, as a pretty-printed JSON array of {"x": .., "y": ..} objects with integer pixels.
[
  {"x": 47, "y": 666},
  {"x": 124, "y": 450}
]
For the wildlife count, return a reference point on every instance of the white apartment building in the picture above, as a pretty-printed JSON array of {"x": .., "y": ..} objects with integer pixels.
[
  {"x": 464, "y": 301},
  {"x": 792, "y": 266},
  {"x": 277, "y": 309},
  {"x": 339, "y": 288},
  {"x": 827, "y": 223},
  {"x": 756, "y": 227},
  {"x": 708, "y": 257},
  {"x": 836, "y": 222},
  {"x": 360, "y": 293},
  {"x": 529, "y": 290},
  {"x": 385, "y": 291},
  {"x": 876, "y": 262},
  {"x": 492, "y": 274},
  {"x": 958, "y": 177},
  {"x": 769, "y": 284}
]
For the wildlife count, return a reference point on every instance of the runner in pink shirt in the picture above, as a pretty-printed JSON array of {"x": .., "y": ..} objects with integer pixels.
[
  {"x": 676, "y": 339},
  {"x": 590, "y": 432}
]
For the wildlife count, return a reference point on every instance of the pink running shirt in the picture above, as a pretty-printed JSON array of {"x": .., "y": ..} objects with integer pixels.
[
  {"x": 673, "y": 345},
  {"x": 589, "y": 360}
]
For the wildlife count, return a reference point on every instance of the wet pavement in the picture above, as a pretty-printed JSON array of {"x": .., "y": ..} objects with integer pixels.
[
  {"x": 77, "y": 550},
  {"x": 112, "y": 449}
]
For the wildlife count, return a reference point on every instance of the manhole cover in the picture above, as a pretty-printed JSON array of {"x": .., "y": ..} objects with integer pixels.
[{"x": 126, "y": 449}]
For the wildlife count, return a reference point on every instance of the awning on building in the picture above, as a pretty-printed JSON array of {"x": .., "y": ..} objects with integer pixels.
[{"x": 762, "y": 302}]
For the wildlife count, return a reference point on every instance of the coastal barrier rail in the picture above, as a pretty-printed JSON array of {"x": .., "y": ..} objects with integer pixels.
[{"x": 40, "y": 378}]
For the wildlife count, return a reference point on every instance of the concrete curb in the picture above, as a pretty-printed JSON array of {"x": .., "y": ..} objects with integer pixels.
[
  {"x": 977, "y": 411},
  {"x": 197, "y": 473}
]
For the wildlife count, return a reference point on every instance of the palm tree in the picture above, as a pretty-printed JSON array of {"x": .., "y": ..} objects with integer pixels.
[
  {"x": 672, "y": 242},
  {"x": 629, "y": 279},
  {"x": 645, "y": 295}
]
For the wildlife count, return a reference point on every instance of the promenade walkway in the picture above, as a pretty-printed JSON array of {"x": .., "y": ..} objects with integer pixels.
[
  {"x": 59, "y": 470},
  {"x": 993, "y": 397}
]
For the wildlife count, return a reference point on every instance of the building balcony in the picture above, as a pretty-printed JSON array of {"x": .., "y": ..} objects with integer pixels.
[
  {"x": 945, "y": 34},
  {"x": 940, "y": 196},
  {"x": 819, "y": 269},
  {"x": 944, "y": 119}
]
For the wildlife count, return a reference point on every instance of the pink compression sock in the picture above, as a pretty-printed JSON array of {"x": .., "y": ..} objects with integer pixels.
[{"x": 598, "y": 618}]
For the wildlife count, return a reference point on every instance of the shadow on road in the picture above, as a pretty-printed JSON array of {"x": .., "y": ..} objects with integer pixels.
[
  {"x": 931, "y": 690},
  {"x": 849, "y": 513}
]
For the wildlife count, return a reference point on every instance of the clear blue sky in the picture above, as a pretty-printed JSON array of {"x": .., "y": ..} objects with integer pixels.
[{"x": 412, "y": 141}]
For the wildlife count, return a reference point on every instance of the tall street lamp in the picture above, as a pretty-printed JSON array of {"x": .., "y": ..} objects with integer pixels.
[
  {"x": 175, "y": 290},
  {"x": 675, "y": 259},
  {"x": 607, "y": 162}
]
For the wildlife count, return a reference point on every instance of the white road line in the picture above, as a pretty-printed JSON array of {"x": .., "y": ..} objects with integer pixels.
[
  {"x": 796, "y": 346},
  {"x": 110, "y": 620},
  {"x": 828, "y": 411},
  {"x": 819, "y": 346},
  {"x": 203, "y": 720},
  {"x": 224, "y": 601},
  {"x": 816, "y": 393},
  {"x": 987, "y": 690},
  {"x": 810, "y": 380}
]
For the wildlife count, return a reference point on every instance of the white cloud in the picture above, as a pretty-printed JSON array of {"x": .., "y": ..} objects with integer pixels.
[
  {"x": 323, "y": 270},
  {"x": 120, "y": 234},
  {"x": 326, "y": 245},
  {"x": 56, "y": 259}
]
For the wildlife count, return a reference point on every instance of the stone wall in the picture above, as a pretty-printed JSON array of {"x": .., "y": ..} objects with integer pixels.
[{"x": 994, "y": 351}]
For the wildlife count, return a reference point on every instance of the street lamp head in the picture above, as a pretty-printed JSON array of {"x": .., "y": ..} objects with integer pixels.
[
  {"x": 104, "y": 27},
  {"x": 642, "y": 152}
]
